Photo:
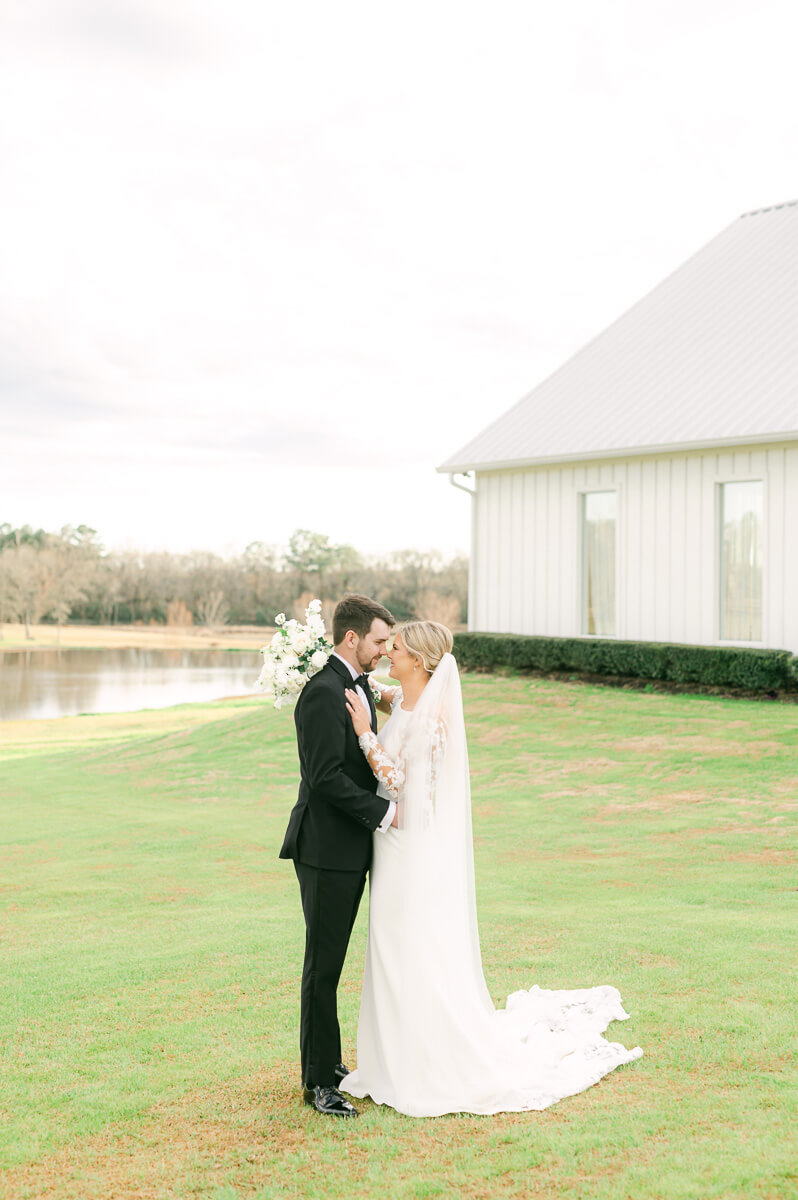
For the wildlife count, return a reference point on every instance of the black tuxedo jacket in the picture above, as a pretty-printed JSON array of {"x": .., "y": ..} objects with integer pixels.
[{"x": 332, "y": 821}]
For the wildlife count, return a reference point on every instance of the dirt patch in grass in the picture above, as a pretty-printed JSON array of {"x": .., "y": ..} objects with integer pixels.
[
  {"x": 649, "y": 743},
  {"x": 497, "y": 736},
  {"x": 645, "y": 958},
  {"x": 657, "y": 804},
  {"x": 654, "y": 743},
  {"x": 542, "y": 768},
  {"x": 576, "y": 765},
  {"x": 252, "y": 1133},
  {"x": 786, "y": 787},
  {"x": 197, "y": 1135},
  {"x": 770, "y": 856},
  {"x": 536, "y": 853}
]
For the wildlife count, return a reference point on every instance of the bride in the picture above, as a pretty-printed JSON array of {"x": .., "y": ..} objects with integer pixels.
[{"x": 429, "y": 1038}]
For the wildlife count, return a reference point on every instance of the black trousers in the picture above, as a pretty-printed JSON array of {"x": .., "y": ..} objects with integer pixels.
[{"x": 330, "y": 900}]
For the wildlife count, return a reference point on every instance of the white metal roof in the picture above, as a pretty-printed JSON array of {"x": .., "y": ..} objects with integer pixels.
[{"x": 709, "y": 357}]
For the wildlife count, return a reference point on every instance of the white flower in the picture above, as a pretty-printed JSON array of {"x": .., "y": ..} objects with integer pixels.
[
  {"x": 295, "y": 653},
  {"x": 300, "y": 641}
]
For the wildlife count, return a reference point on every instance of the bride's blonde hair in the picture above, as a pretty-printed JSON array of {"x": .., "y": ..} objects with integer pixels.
[{"x": 427, "y": 640}]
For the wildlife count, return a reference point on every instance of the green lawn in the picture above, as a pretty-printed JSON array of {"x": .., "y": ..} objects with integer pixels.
[{"x": 151, "y": 949}]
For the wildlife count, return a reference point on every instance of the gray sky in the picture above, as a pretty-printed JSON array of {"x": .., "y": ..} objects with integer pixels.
[{"x": 263, "y": 266}]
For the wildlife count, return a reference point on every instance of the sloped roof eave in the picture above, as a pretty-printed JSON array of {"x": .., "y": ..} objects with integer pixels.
[
  {"x": 709, "y": 353},
  {"x": 761, "y": 439}
]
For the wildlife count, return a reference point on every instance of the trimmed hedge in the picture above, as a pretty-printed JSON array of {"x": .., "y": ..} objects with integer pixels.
[{"x": 717, "y": 666}]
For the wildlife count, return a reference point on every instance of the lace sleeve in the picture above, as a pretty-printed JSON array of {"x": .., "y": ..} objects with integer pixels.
[
  {"x": 390, "y": 774},
  {"x": 388, "y": 695}
]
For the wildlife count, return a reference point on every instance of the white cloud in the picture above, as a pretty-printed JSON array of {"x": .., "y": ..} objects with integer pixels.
[{"x": 246, "y": 247}]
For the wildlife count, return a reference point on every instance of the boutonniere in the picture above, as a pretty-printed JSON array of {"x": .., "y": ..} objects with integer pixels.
[{"x": 376, "y": 694}]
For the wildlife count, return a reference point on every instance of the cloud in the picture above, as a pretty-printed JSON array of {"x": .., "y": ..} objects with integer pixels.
[
  {"x": 41, "y": 397},
  {"x": 243, "y": 243},
  {"x": 129, "y": 29}
]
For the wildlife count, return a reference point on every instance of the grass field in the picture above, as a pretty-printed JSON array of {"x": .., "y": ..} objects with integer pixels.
[{"x": 151, "y": 949}]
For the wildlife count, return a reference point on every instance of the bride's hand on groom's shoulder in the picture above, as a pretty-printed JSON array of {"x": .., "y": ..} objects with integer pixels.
[{"x": 361, "y": 718}]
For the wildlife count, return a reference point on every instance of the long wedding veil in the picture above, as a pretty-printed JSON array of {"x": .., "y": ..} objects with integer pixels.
[{"x": 438, "y": 918}]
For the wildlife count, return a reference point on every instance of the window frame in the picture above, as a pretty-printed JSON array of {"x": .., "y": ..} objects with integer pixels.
[
  {"x": 582, "y": 493},
  {"x": 719, "y": 484}
]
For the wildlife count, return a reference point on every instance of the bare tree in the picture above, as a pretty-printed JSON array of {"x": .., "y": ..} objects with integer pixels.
[
  {"x": 32, "y": 577},
  {"x": 213, "y": 609},
  {"x": 68, "y": 576},
  {"x": 178, "y": 614},
  {"x": 436, "y": 606},
  {"x": 10, "y": 596}
]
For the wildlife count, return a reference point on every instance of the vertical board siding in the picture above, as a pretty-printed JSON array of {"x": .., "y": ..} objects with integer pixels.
[
  {"x": 504, "y": 533},
  {"x": 705, "y": 625},
  {"x": 555, "y": 549},
  {"x": 529, "y": 558},
  {"x": 776, "y": 547},
  {"x": 542, "y": 550},
  {"x": 527, "y": 572},
  {"x": 790, "y": 552},
  {"x": 662, "y": 551},
  {"x": 497, "y": 551},
  {"x": 648, "y": 549},
  {"x": 693, "y": 549},
  {"x": 631, "y": 533},
  {"x": 482, "y": 502},
  {"x": 677, "y": 583},
  {"x": 570, "y": 572}
]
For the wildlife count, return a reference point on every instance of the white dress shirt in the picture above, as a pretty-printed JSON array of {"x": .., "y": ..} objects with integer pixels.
[{"x": 386, "y": 820}]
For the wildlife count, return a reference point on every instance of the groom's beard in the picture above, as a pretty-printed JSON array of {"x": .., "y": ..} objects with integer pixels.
[{"x": 370, "y": 662}]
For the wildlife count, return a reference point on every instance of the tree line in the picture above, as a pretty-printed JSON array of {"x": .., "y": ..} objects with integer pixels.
[{"x": 69, "y": 576}]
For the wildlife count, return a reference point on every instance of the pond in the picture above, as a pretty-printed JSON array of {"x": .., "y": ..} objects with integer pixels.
[{"x": 60, "y": 683}]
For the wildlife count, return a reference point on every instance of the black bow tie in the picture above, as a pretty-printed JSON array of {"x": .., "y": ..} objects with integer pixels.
[{"x": 363, "y": 682}]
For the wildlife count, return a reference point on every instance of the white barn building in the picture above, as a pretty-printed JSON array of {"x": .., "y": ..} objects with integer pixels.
[{"x": 648, "y": 490}]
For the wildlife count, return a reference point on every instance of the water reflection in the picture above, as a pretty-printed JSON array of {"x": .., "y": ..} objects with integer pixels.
[{"x": 59, "y": 683}]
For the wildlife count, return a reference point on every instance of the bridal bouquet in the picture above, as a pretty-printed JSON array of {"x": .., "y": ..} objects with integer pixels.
[{"x": 295, "y": 654}]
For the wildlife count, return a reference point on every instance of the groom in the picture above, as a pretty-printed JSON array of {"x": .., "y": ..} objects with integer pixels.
[{"x": 329, "y": 835}]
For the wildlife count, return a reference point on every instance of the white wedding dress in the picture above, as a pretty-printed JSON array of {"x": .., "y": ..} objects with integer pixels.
[{"x": 430, "y": 1040}]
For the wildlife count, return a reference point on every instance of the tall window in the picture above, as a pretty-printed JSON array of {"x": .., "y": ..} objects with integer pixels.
[
  {"x": 598, "y": 563},
  {"x": 741, "y": 561}
]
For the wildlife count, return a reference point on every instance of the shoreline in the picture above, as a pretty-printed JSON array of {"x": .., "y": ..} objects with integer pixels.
[{"x": 148, "y": 637}]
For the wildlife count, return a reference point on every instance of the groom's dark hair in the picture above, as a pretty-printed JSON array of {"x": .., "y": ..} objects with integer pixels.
[{"x": 357, "y": 613}]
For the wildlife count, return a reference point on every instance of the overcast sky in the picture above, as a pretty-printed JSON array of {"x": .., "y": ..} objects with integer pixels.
[{"x": 264, "y": 266}]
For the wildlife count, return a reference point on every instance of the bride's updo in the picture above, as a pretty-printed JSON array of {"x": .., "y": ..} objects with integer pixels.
[{"x": 427, "y": 640}]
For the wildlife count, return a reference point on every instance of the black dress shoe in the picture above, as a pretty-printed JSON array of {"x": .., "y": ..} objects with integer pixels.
[{"x": 329, "y": 1102}]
